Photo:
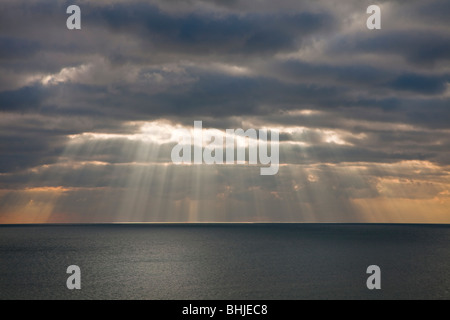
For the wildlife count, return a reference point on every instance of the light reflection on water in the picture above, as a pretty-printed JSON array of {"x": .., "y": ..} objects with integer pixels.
[{"x": 225, "y": 261}]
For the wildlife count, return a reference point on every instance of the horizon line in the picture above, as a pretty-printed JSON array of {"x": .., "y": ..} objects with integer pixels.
[{"x": 217, "y": 223}]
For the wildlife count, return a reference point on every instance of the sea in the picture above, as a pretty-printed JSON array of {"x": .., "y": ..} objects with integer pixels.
[{"x": 225, "y": 261}]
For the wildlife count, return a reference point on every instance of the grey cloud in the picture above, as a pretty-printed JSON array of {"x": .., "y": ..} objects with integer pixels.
[
  {"x": 416, "y": 46},
  {"x": 16, "y": 48},
  {"x": 421, "y": 84},
  {"x": 206, "y": 34}
]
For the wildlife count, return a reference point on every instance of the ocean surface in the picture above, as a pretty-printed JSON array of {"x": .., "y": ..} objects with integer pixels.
[{"x": 225, "y": 261}]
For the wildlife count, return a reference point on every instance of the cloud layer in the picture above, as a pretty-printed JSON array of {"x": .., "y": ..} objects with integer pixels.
[{"x": 87, "y": 116}]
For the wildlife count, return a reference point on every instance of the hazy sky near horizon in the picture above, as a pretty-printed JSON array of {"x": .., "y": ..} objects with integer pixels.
[{"x": 87, "y": 117}]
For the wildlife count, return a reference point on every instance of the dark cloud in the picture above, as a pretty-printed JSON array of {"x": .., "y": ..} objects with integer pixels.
[
  {"x": 30, "y": 97},
  {"x": 23, "y": 151},
  {"x": 16, "y": 48},
  {"x": 434, "y": 12},
  {"x": 208, "y": 34},
  {"x": 421, "y": 47},
  {"x": 421, "y": 84}
]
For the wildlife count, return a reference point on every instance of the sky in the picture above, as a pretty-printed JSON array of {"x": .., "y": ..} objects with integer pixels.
[{"x": 88, "y": 118}]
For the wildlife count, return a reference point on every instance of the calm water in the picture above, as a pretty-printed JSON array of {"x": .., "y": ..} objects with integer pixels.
[{"x": 225, "y": 261}]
